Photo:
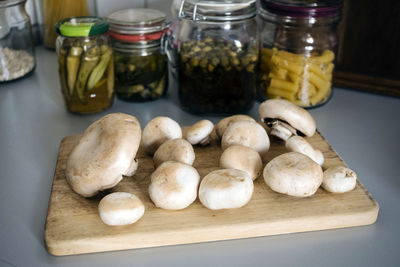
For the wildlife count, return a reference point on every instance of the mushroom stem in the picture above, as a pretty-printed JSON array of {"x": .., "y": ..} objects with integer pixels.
[
  {"x": 281, "y": 129},
  {"x": 205, "y": 141}
]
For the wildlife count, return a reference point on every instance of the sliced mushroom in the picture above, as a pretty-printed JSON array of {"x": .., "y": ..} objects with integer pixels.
[
  {"x": 199, "y": 133},
  {"x": 246, "y": 133},
  {"x": 120, "y": 208},
  {"x": 159, "y": 130},
  {"x": 225, "y": 122},
  {"x": 174, "y": 185},
  {"x": 293, "y": 174},
  {"x": 339, "y": 179},
  {"x": 178, "y": 150},
  {"x": 226, "y": 189},
  {"x": 299, "y": 144},
  {"x": 286, "y": 119},
  {"x": 242, "y": 158},
  {"x": 105, "y": 153}
]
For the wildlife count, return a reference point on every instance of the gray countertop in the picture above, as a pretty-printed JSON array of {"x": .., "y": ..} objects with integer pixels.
[{"x": 363, "y": 128}]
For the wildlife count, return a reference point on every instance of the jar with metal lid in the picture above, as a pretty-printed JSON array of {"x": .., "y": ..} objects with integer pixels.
[
  {"x": 217, "y": 56},
  {"x": 299, "y": 40},
  {"x": 141, "y": 64},
  {"x": 86, "y": 66},
  {"x": 17, "y": 51}
]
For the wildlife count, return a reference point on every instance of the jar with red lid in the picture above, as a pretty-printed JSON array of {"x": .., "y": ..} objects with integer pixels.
[
  {"x": 298, "y": 46},
  {"x": 141, "y": 66}
]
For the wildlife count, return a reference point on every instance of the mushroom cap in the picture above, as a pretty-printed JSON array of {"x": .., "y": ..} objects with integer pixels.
[
  {"x": 199, "y": 132},
  {"x": 339, "y": 179},
  {"x": 120, "y": 208},
  {"x": 299, "y": 144},
  {"x": 105, "y": 153},
  {"x": 297, "y": 117},
  {"x": 246, "y": 133},
  {"x": 226, "y": 189},
  {"x": 159, "y": 130},
  {"x": 242, "y": 158},
  {"x": 174, "y": 185},
  {"x": 293, "y": 174},
  {"x": 178, "y": 150},
  {"x": 225, "y": 122}
]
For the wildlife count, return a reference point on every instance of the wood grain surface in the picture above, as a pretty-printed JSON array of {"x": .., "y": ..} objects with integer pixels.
[{"x": 73, "y": 225}]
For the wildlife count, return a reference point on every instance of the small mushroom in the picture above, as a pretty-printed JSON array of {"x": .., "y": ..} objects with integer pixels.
[
  {"x": 293, "y": 174},
  {"x": 174, "y": 185},
  {"x": 246, "y": 133},
  {"x": 286, "y": 119},
  {"x": 199, "y": 133},
  {"x": 242, "y": 158},
  {"x": 159, "y": 130},
  {"x": 120, "y": 208},
  {"x": 174, "y": 150},
  {"x": 225, "y": 122},
  {"x": 226, "y": 189},
  {"x": 339, "y": 179},
  {"x": 299, "y": 144},
  {"x": 105, "y": 153}
]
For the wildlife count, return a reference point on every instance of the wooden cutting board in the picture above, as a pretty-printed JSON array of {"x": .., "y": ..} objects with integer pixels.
[{"x": 73, "y": 225}]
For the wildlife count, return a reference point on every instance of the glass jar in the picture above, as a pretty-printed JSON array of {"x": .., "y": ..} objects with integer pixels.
[
  {"x": 298, "y": 47},
  {"x": 86, "y": 66},
  {"x": 17, "y": 51},
  {"x": 217, "y": 56},
  {"x": 141, "y": 66}
]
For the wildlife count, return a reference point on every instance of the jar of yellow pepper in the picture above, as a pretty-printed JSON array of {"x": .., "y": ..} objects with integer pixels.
[{"x": 298, "y": 44}]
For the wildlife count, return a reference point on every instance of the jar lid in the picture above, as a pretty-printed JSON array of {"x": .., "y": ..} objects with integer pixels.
[
  {"x": 301, "y": 8},
  {"x": 137, "y": 24},
  {"x": 81, "y": 26},
  {"x": 224, "y": 10}
]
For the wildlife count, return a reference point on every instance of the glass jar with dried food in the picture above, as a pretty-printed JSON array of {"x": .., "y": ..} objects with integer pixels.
[
  {"x": 141, "y": 66},
  {"x": 86, "y": 65},
  {"x": 17, "y": 51},
  {"x": 217, "y": 56},
  {"x": 298, "y": 49}
]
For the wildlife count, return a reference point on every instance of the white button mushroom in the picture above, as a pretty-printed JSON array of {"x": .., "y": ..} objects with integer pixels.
[
  {"x": 293, "y": 174},
  {"x": 225, "y": 122},
  {"x": 226, "y": 189},
  {"x": 104, "y": 154},
  {"x": 246, "y": 133},
  {"x": 199, "y": 133},
  {"x": 286, "y": 119},
  {"x": 159, "y": 130},
  {"x": 174, "y": 150},
  {"x": 339, "y": 179},
  {"x": 299, "y": 144},
  {"x": 242, "y": 158},
  {"x": 120, "y": 208},
  {"x": 174, "y": 185}
]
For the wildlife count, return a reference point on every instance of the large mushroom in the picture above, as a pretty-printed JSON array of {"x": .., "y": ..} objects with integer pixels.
[
  {"x": 289, "y": 123},
  {"x": 159, "y": 130},
  {"x": 105, "y": 153},
  {"x": 293, "y": 174},
  {"x": 225, "y": 122},
  {"x": 246, "y": 133}
]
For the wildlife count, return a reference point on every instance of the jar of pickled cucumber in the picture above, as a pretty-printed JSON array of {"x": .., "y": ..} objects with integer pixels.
[
  {"x": 141, "y": 65},
  {"x": 217, "y": 56},
  {"x": 298, "y": 45},
  {"x": 86, "y": 66}
]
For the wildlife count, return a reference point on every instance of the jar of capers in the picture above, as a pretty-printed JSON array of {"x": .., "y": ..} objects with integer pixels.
[
  {"x": 217, "y": 56},
  {"x": 141, "y": 66},
  {"x": 86, "y": 66}
]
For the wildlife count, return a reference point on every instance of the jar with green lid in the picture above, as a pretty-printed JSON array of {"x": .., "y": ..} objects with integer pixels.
[
  {"x": 218, "y": 46},
  {"x": 141, "y": 65},
  {"x": 86, "y": 66},
  {"x": 299, "y": 42}
]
